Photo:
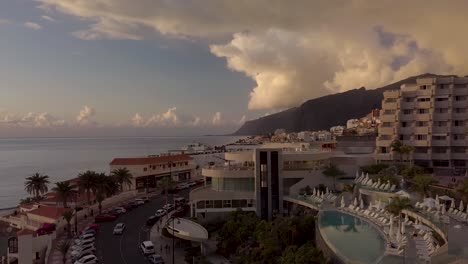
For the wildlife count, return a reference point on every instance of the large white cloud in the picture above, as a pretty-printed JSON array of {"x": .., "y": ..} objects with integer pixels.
[
  {"x": 85, "y": 115},
  {"x": 297, "y": 50},
  {"x": 171, "y": 118},
  {"x": 30, "y": 120}
]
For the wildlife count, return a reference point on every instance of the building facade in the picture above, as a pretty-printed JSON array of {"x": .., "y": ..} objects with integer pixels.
[
  {"x": 430, "y": 115},
  {"x": 147, "y": 171}
]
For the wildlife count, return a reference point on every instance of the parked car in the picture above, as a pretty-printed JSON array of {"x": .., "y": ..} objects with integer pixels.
[
  {"x": 134, "y": 204},
  {"x": 140, "y": 201},
  {"x": 89, "y": 231},
  {"x": 127, "y": 206},
  {"x": 152, "y": 220},
  {"x": 200, "y": 181},
  {"x": 46, "y": 229},
  {"x": 147, "y": 247},
  {"x": 145, "y": 199},
  {"x": 168, "y": 207},
  {"x": 102, "y": 218},
  {"x": 155, "y": 259},
  {"x": 82, "y": 245},
  {"x": 89, "y": 259},
  {"x": 181, "y": 211},
  {"x": 160, "y": 213},
  {"x": 119, "y": 210},
  {"x": 86, "y": 236},
  {"x": 93, "y": 227},
  {"x": 79, "y": 253},
  {"x": 82, "y": 242},
  {"x": 119, "y": 228},
  {"x": 192, "y": 184}
]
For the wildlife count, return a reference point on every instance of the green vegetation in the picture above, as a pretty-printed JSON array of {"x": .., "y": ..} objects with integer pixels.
[
  {"x": 401, "y": 149},
  {"x": 306, "y": 190},
  {"x": 334, "y": 172},
  {"x": 64, "y": 191},
  {"x": 87, "y": 183},
  {"x": 421, "y": 184},
  {"x": 167, "y": 184},
  {"x": 123, "y": 177},
  {"x": 68, "y": 216},
  {"x": 37, "y": 185},
  {"x": 375, "y": 168},
  {"x": 389, "y": 175},
  {"x": 285, "y": 240},
  {"x": 462, "y": 189},
  {"x": 409, "y": 172}
]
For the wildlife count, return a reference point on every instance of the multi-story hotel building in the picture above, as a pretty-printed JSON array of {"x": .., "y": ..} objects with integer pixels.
[
  {"x": 430, "y": 115},
  {"x": 146, "y": 171}
]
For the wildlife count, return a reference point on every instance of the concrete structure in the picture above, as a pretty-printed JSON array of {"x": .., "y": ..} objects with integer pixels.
[
  {"x": 147, "y": 171},
  {"x": 31, "y": 248},
  {"x": 257, "y": 179},
  {"x": 431, "y": 116}
]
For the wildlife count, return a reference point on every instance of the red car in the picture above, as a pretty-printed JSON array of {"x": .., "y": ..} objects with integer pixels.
[
  {"x": 104, "y": 218},
  {"x": 93, "y": 227},
  {"x": 46, "y": 229},
  {"x": 127, "y": 207}
]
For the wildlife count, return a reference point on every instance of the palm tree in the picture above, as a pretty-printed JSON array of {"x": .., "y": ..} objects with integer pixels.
[
  {"x": 63, "y": 249},
  {"x": 396, "y": 147},
  {"x": 37, "y": 184},
  {"x": 409, "y": 172},
  {"x": 105, "y": 186},
  {"x": 421, "y": 184},
  {"x": 64, "y": 191},
  {"x": 333, "y": 171},
  {"x": 87, "y": 183},
  {"x": 167, "y": 184},
  {"x": 68, "y": 216},
  {"x": 123, "y": 177},
  {"x": 407, "y": 150},
  {"x": 397, "y": 205}
]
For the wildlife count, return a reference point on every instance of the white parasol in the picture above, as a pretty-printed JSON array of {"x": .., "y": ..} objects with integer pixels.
[
  {"x": 342, "y": 202},
  {"x": 452, "y": 204},
  {"x": 326, "y": 190},
  {"x": 355, "y": 203},
  {"x": 403, "y": 229},
  {"x": 443, "y": 211},
  {"x": 461, "y": 208},
  {"x": 402, "y": 193},
  {"x": 422, "y": 227},
  {"x": 314, "y": 192},
  {"x": 445, "y": 198},
  {"x": 362, "y": 204}
]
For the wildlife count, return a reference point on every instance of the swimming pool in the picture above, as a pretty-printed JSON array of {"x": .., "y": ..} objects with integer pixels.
[{"x": 354, "y": 240}]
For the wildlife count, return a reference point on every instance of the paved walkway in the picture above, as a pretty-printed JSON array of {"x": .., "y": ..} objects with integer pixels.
[
  {"x": 163, "y": 244},
  {"x": 55, "y": 256}
]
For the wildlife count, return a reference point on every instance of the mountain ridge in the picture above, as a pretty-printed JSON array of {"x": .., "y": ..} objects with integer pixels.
[{"x": 324, "y": 112}]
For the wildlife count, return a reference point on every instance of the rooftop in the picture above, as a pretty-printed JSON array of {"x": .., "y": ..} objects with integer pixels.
[
  {"x": 187, "y": 229},
  {"x": 50, "y": 212},
  {"x": 150, "y": 160}
]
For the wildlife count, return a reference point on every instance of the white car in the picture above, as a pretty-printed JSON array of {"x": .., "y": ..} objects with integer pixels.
[
  {"x": 160, "y": 213},
  {"x": 139, "y": 201},
  {"x": 168, "y": 207},
  {"x": 80, "y": 253},
  {"x": 81, "y": 242},
  {"x": 86, "y": 236},
  {"x": 119, "y": 210},
  {"x": 84, "y": 245},
  {"x": 89, "y": 259},
  {"x": 147, "y": 247},
  {"x": 119, "y": 228},
  {"x": 191, "y": 184}
]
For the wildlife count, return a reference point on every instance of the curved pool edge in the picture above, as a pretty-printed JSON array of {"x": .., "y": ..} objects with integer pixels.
[{"x": 336, "y": 252}]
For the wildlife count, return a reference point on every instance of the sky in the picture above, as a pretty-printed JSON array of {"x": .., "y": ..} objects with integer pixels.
[{"x": 190, "y": 67}]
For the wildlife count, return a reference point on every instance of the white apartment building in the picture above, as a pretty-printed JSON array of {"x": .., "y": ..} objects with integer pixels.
[
  {"x": 146, "y": 171},
  {"x": 432, "y": 116}
]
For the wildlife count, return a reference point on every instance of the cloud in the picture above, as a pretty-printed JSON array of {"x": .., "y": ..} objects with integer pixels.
[
  {"x": 217, "y": 119},
  {"x": 31, "y": 120},
  {"x": 32, "y": 25},
  {"x": 171, "y": 118},
  {"x": 85, "y": 115},
  {"x": 4, "y": 21},
  {"x": 301, "y": 50},
  {"x": 242, "y": 120},
  {"x": 48, "y": 18}
]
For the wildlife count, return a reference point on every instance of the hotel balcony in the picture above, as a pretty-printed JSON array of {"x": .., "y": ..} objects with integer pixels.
[
  {"x": 421, "y": 130},
  {"x": 389, "y": 106},
  {"x": 439, "y": 130},
  {"x": 459, "y": 156},
  {"x": 386, "y": 130},
  {"x": 460, "y": 91},
  {"x": 459, "y": 129},
  {"x": 421, "y": 143},
  {"x": 441, "y": 156},
  {"x": 439, "y": 92},
  {"x": 460, "y": 104},
  {"x": 441, "y": 116},
  {"x": 241, "y": 156},
  {"x": 228, "y": 172},
  {"x": 383, "y": 156},
  {"x": 460, "y": 116},
  {"x": 405, "y": 130},
  {"x": 421, "y": 156},
  {"x": 407, "y": 105},
  {"x": 392, "y": 94},
  {"x": 441, "y": 104},
  {"x": 459, "y": 143},
  {"x": 424, "y": 105},
  {"x": 383, "y": 142},
  {"x": 388, "y": 118},
  {"x": 422, "y": 117},
  {"x": 207, "y": 193},
  {"x": 440, "y": 143}
]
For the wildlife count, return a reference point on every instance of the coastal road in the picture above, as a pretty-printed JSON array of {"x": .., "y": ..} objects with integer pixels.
[{"x": 124, "y": 249}]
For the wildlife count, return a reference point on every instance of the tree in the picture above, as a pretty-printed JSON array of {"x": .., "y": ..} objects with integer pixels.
[
  {"x": 409, "y": 172},
  {"x": 63, "y": 249},
  {"x": 462, "y": 189},
  {"x": 406, "y": 150},
  {"x": 104, "y": 186},
  {"x": 87, "y": 183},
  {"x": 167, "y": 184},
  {"x": 37, "y": 184},
  {"x": 333, "y": 171},
  {"x": 306, "y": 254},
  {"x": 421, "y": 184},
  {"x": 68, "y": 216},
  {"x": 123, "y": 177},
  {"x": 64, "y": 191},
  {"x": 389, "y": 175},
  {"x": 396, "y": 147},
  {"x": 397, "y": 205}
]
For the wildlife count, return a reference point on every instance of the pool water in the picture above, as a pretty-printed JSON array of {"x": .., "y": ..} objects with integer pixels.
[{"x": 353, "y": 239}]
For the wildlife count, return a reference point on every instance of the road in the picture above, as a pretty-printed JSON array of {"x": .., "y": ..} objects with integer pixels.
[{"x": 124, "y": 249}]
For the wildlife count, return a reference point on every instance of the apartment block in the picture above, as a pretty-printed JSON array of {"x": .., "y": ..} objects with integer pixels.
[{"x": 430, "y": 115}]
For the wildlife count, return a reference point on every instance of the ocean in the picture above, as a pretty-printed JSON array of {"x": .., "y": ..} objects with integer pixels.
[{"x": 65, "y": 158}]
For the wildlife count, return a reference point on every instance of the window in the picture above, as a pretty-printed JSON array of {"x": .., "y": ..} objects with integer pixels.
[
  {"x": 460, "y": 110},
  {"x": 405, "y": 137},
  {"x": 218, "y": 204},
  {"x": 423, "y": 87},
  {"x": 209, "y": 204},
  {"x": 459, "y": 163},
  {"x": 389, "y": 112},
  {"x": 439, "y": 150},
  {"x": 407, "y": 111},
  {"x": 441, "y": 123},
  {"x": 409, "y": 99},
  {"x": 201, "y": 204},
  {"x": 458, "y": 123},
  {"x": 423, "y": 111},
  {"x": 384, "y": 150},
  {"x": 441, "y": 99},
  {"x": 421, "y": 150},
  {"x": 421, "y": 137},
  {"x": 145, "y": 169},
  {"x": 458, "y": 136},
  {"x": 404, "y": 124},
  {"x": 458, "y": 150},
  {"x": 227, "y": 203},
  {"x": 460, "y": 98},
  {"x": 443, "y": 86},
  {"x": 424, "y": 99},
  {"x": 441, "y": 110},
  {"x": 390, "y": 100},
  {"x": 439, "y": 137},
  {"x": 422, "y": 124},
  {"x": 385, "y": 137},
  {"x": 440, "y": 163}
]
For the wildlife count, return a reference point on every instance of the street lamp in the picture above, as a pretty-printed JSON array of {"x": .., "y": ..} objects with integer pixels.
[{"x": 173, "y": 218}]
